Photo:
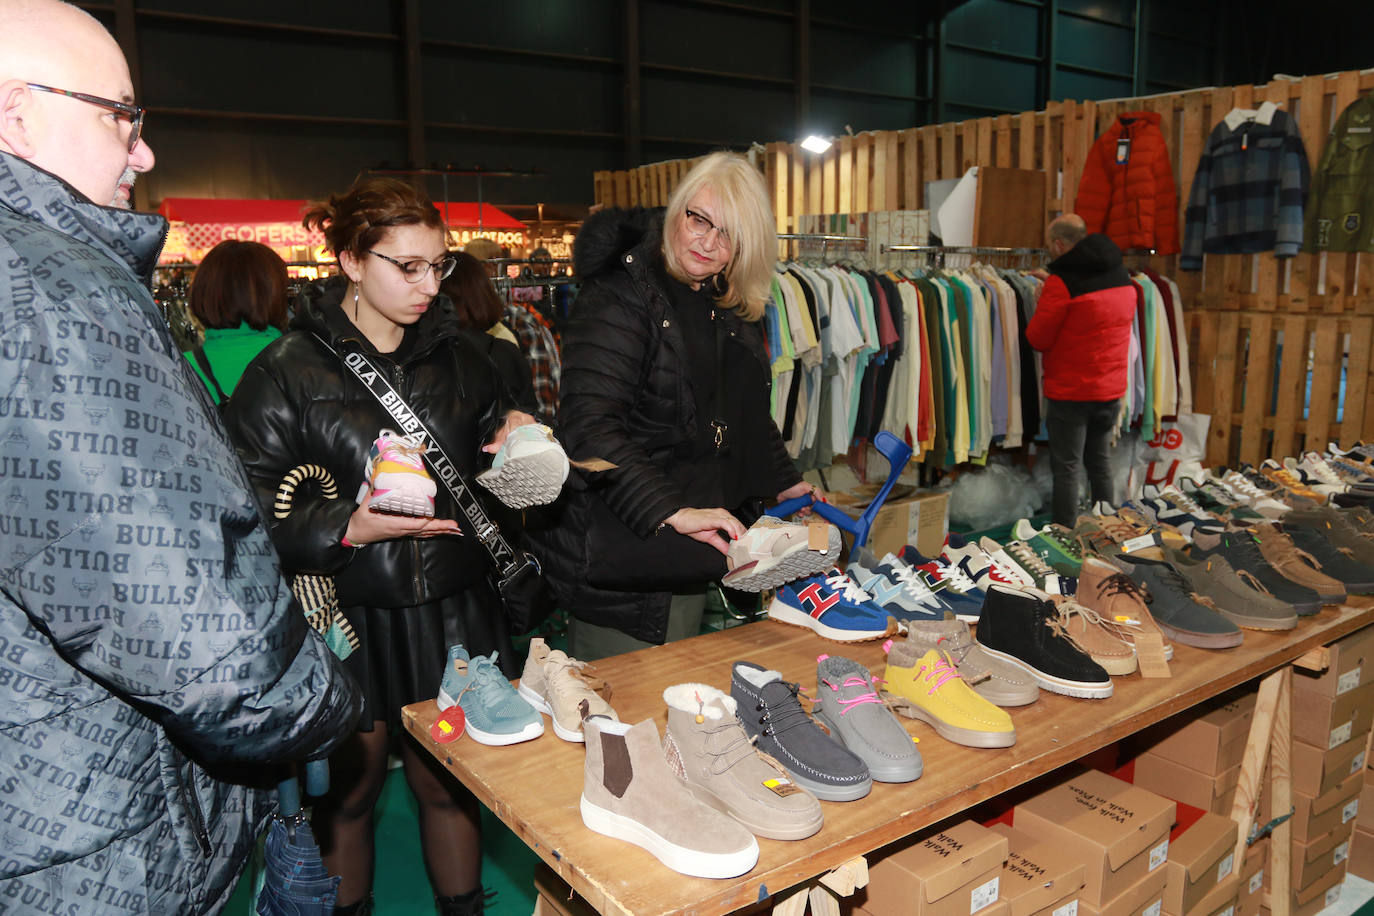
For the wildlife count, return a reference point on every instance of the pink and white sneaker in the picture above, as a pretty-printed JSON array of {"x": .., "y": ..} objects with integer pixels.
[{"x": 397, "y": 478}]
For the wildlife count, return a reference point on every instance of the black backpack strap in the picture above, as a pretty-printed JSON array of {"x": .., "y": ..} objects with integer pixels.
[{"x": 204, "y": 364}]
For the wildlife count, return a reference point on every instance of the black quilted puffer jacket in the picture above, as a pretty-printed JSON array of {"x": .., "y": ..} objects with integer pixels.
[
  {"x": 297, "y": 403},
  {"x": 627, "y": 397}
]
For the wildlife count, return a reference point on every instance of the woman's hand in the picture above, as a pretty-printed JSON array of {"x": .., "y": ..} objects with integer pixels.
[
  {"x": 803, "y": 489},
  {"x": 705, "y": 525},
  {"x": 513, "y": 419},
  {"x": 367, "y": 527}
]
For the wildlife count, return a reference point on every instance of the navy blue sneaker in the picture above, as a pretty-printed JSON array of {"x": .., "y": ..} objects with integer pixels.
[
  {"x": 832, "y": 605},
  {"x": 952, "y": 583}
]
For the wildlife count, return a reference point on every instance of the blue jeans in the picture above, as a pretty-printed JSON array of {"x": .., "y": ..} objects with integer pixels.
[{"x": 1079, "y": 431}]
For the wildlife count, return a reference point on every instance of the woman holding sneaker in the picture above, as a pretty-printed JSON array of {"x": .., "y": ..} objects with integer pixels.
[
  {"x": 410, "y": 584},
  {"x": 665, "y": 376}
]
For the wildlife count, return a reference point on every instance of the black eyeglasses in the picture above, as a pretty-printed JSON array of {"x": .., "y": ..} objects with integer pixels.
[
  {"x": 134, "y": 113},
  {"x": 415, "y": 271},
  {"x": 700, "y": 225}
]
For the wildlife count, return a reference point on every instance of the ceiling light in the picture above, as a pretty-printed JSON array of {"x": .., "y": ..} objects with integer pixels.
[{"x": 815, "y": 144}]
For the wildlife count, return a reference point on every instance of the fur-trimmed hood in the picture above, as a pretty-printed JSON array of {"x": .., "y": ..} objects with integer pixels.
[{"x": 608, "y": 234}]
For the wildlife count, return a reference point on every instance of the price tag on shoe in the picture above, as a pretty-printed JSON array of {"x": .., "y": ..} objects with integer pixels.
[
  {"x": 1149, "y": 653},
  {"x": 818, "y": 536},
  {"x": 1140, "y": 543},
  {"x": 449, "y": 726}
]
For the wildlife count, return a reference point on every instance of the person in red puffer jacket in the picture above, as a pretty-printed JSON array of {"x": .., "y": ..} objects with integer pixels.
[{"x": 1082, "y": 325}]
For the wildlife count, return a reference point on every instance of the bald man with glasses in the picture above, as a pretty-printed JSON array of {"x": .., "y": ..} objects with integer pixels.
[{"x": 152, "y": 660}]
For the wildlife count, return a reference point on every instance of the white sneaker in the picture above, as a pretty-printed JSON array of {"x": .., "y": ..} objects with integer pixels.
[
  {"x": 529, "y": 469},
  {"x": 1003, "y": 561}
]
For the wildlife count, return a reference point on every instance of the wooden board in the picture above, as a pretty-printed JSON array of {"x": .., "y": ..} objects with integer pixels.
[
  {"x": 534, "y": 787},
  {"x": 1009, "y": 211}
]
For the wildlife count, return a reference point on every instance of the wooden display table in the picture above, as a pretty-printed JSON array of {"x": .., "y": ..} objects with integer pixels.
[{"x": 534, "y": 787}]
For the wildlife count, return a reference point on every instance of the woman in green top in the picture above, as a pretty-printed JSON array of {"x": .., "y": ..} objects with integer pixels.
[{"x": 239, "y": 297}]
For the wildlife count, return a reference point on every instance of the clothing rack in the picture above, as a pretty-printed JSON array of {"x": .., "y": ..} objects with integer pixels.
[
  {"x": 939, "y": 252},
  {"x": 825, "y": 240}
]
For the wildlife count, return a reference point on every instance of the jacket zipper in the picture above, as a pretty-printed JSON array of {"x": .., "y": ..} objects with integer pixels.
[
  {"x": 196, "y": 816},
  {"x": 397, "y": 376}
]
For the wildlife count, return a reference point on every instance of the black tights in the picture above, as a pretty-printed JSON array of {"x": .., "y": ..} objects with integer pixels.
[{"x": 450, "y": 821}]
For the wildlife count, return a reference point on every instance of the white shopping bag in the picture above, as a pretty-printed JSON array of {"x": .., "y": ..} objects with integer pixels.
[{"x": 1176, "y": 451}]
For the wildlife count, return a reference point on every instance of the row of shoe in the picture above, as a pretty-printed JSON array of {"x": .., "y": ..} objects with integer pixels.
[{"x": 748, "y": 763}]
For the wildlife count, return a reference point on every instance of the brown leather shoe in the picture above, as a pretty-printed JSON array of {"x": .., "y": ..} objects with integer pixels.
[{"x": 1296, "y": 565}]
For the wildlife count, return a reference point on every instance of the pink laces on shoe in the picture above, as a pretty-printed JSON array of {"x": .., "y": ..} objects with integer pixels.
[
  {"x": 855, "y": 681},
  {"x": 941, "y": 674}
]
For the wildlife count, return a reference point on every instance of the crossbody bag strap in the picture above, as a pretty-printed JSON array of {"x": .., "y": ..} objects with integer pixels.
[
  {"x": 507, "y": 559},
  {"x": 204, "y": 363}
]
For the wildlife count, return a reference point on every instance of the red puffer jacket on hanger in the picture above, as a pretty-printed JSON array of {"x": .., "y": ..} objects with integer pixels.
[{"x": 1127, "y": 191}]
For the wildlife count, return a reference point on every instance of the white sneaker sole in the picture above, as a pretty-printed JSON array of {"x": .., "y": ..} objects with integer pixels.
[
  {"x": 495, "y": 739},
  {"x": 539, "y": 703},
  {"x": 1087, "y": 690},
  {"x": 798, "y": 563},
  {"x": 781, "y": 612},
  {"x": 684, "y": 861},
  {"x": 405, "y": 494},
  {"x": 528, "y": 480}
]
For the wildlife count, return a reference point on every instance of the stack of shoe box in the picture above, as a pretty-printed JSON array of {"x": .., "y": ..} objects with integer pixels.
[
  {"x": 1202, "y": 873},
  {"x": 1362, "y": 842},
  {"x": 1119, "y": 832},
  {"x": 953, "y": 871},
  {"x": 1195, "y": 757},
  {"x": 1332, "y": 714}
]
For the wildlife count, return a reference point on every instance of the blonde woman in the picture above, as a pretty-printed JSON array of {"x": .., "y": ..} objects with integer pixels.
[{"x": 666, "y": 377}]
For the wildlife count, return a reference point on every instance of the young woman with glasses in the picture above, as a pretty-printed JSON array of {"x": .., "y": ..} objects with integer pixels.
[
  {"x": 410, "y": 586},
  {"x": 666, "y": 377}
]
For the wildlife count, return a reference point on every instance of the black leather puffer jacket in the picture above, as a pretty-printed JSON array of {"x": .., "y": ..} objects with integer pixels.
[
  {"x": 298, "y": 403},
  {"x": 627, "y": 397}
]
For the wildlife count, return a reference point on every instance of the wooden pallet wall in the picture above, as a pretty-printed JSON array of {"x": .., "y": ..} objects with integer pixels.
[{"x": 1256, "y": 324}]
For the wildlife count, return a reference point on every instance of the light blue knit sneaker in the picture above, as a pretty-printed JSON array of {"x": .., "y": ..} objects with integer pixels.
[{"x": 495, "y": 713}]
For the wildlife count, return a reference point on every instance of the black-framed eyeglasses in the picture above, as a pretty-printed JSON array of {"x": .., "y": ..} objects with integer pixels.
[
  {"x": 700, "y": 225},
  {"x": 133, "y": 113},
  {"x": 415, "y": 271}
]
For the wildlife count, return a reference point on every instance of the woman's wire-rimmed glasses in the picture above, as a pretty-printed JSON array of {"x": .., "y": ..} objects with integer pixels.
[{"x": 415, "y": 271}]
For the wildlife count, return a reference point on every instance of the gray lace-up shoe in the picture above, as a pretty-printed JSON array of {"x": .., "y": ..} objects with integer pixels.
[
  {"x": 847, "y": 703},
  {"x": 773, "y": 716},
  {"x": 706, "y": 745}
]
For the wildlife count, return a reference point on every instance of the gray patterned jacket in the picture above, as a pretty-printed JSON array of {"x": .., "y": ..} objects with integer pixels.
[{"x": 146, "y": 635}]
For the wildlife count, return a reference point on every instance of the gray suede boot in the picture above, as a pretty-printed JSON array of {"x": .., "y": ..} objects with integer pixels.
[
  {"x": 706, "y": 745},
  {"x": 628, "y": 792}
]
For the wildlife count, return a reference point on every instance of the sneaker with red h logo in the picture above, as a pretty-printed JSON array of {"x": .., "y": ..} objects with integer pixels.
[{"x": 832, "y": 605}]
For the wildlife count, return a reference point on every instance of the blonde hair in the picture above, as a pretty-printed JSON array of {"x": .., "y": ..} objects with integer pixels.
[{"x": 746, "y": 213}]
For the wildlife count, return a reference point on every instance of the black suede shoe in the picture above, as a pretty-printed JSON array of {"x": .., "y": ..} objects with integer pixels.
[{"x": 1023, "y": 629}]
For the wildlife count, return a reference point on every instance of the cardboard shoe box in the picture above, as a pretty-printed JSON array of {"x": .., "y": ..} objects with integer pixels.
[
  {"x": 1314, "y": 818},
  {"x": 1171, "y": 779},
  {"x": 1311, "y": 861},
  {"x": 1331, "y": 721},
  {"x": 1251, "y": 891},
  {"x": 1317, "y": 770},
  {"x": 1351, "y": 665},
  {"x": 1211, "y": 741},
  {"x": 1144, "y": 898},
  {"x": 1361, "y": 860},
  {"x": 920, "y": 519},
  {"x": 1220, "y": 900},
  {"x": 956, "y": 872},
  {"x": 1364, "y": 820},
  {"x": 1038, "y": 879},
  {"x": 1201, "y": 857},
  {"x": 1119, "y": 832},
  {"x": 1314, "y": 899}
]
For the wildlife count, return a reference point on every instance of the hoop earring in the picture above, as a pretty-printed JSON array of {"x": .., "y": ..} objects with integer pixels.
[{"x": 719, "y": 284}]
